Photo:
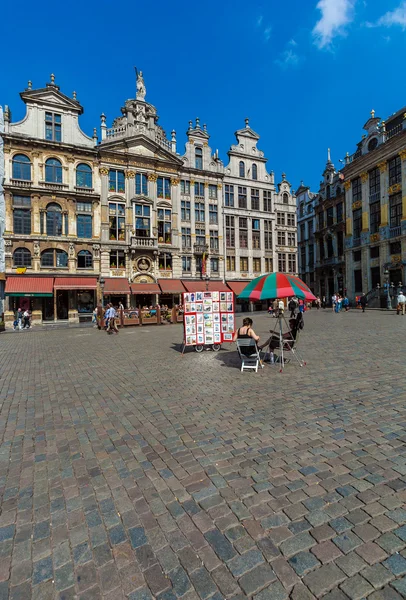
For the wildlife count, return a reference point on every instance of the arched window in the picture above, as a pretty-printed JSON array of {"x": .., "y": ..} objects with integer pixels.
[
  {"x": 199, "y": 158},
  {"x": 54, "y": 258},
  {"x": 285, "y": 198},
  {"x": 22, "y": 257},
  {"x": 84, "y": 176},
  {"x": 53, "y": 170},
  {"x": 254, "y": 171},
  {"x": 301, "y": 209},
  {"x": 85, "y": 259},
  {"x": 242, "y": 168},
  {"x": 54, "y": 219},
  {"x": 21, "y": 167}
]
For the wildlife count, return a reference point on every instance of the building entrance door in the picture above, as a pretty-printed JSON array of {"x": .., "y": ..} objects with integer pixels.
[
  {"x": 48, "y": 309},
  {"x": 395, "y": 276},
  {"x": 62, "y": 305}
]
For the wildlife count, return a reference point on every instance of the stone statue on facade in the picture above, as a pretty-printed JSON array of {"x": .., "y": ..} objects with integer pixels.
[
  {"x": 71, "y": 250},
  {"x": 141, "y": 89},
  {"x": 36, "y": 249}
]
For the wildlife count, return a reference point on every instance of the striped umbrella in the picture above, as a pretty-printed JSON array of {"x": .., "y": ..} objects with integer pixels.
[{"x": 276, "y": 285}]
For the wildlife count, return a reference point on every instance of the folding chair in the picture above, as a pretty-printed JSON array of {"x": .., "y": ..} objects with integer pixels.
[{"x": 249, "y": 354}]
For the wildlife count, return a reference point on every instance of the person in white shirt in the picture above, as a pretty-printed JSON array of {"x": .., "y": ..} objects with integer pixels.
[
  {"x": 402, "y": 302},
  {"x": 112, "y": 320}
]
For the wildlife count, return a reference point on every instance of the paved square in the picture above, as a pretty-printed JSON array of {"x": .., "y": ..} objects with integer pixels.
[{"x": 127, "y": 471}]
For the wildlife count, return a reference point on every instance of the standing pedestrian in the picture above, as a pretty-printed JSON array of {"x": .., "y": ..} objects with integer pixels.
[
  {"x": 323, "y": 302},
  {"x": 275, "y": 307},
  {"x": 292, "y": 307},
  {"x": 402, "y": 302},
  {"x": 333, "y": 301},
  {"x": 363, "y": 302},
  {"x": 318, "y": 302},
  {"x": 19, "y": 319},
  {"x": 26, "y": 316},
  {"x": 346, "y": 304}
]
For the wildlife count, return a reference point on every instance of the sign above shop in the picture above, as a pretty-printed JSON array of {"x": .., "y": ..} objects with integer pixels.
[{"x": 21, "y": 270}]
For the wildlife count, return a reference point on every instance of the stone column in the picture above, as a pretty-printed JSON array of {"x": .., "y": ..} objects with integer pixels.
[
  {"x": 384, "y": 185},
  {"x": 365, "y": 203},
  {"x": 104, "y": 209},
  {"x": 402, "y": 155},
  {"x": 71, "y": 216},
  {"x": 35, "y": 214},
  {"x": 96, "y": 214}
]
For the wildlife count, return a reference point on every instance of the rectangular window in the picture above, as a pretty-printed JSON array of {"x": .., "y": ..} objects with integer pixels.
[
  {"x": 84, "y": 226},
  {"x": 53, "y": 127},
  {"x": 244, "y": 264},
  {"x": 184, "y": 186},
  {"x": 199, "y": 212},
  {"x": 395, "y": 210},
  {"x": 395, "y": 248},
  {"x": 214, "y": 240},
  {"x": 242, "y": 197},
  {"x": 281, "y": 238},
  {"x": 117, "y": 221},
  {"x": 116, "y": 181},
  {"x": 303, "y": 259},
  {"x": 321, "y": 249},
  {"x": 164, "y": 226},
  {"x": 141, "y": 184},
  {"x": 374, "y": 252},
  {"x": 374, "y": 215},
  {"x": 291, "y": 220},
  {"x": 142, "y": 220},
  {"x": 395, "y": 170},
  {"x": 292, "y": 263},
  {"x": 311, "y": 256},
  {"x": 356, "y": 256},
  {"x": 199, "y": 190},
  {"x": 186, "y": 264},
  {"x": 302, "y": 232},
  {"x": 186, "y": 238},
  {"x": 230, "y": 232},
  {"x": 163, "y": 188},
  {"x": 280, "y": 218},
  {"x": 357, "y": 222},
  {"x": 321, "y": 220},
  {"x": 213, "y": 192},
  {"x": 357, "y": 280},
  {"x": 256, "y": 234},
  {"x": 213, "y": 214},
  {"x": 214, "y": 265},
  {"x": 84, "y": 207},
  {"x": 267, "y": 197},
  {"x": 254, "y": 199},
  {"x": 268, "y": 265},
  {"x": 330, "y": 216},
  {"x": 229, "y": 195},
  {"x": 243, "y": 229},
  {"x": 291, "y": 239},
  {"x": 268, "y": 235},
  {"x": 185, "y": 210},
  {"x": 310, "y": 229},
  {"x": 282, "y": 263},
  {"x": 230, "y": 263},
  {"x": 117, "y": 259},
  {"x": 200, "y": 236},
  {"x": 165, "y": 261},
  {"x": 356, "y": 189},
  {"x": 340, "y": 243},
  {"x": 22, "y": 221},
  {"x": 339, "y": 212},
  {"x": 374, "y": 182},
  {"x": 256, "y": 265}
]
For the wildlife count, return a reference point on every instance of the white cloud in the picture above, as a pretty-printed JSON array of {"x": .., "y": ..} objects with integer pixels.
[
  {"x": 292, "y": 43},
  {"x": 393, "y": 17},
  {"x": 259, "y": 21},
  {"x": 267, "y": 33},
  {"x": 335, "y": 15},
  {"x": 287, "y": 59}
]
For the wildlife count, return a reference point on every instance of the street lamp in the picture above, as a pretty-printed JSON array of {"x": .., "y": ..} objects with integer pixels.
[
  {"x": 102, "y": 281},
  {"x": 388, "y": 298}
]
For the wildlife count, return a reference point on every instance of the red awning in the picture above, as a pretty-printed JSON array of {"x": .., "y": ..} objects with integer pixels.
[
  {"x": 75, "y": 283},
  {"x": 145, "y": 288},
  {"x": 171, "y": 286},
  {"x": 116, "y": 285},
  {"x": 200, "y": 286},
  {"x": 29, "y": 286},
  {"x": 237, "y": 286}
]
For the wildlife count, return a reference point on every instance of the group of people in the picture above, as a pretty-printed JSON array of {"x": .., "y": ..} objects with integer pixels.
[
  {"x": 339, "y": 302},
  {"x": 277, "y": 307},
  {"x": 22, "y": 319},
  {"x": 109, "y": 314}
]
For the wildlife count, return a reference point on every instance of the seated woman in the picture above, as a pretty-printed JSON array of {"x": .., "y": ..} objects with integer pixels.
[{"x": 244, "y": 333}]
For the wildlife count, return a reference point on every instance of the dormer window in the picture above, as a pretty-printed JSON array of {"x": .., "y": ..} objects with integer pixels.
[
  {"x": 372, "y": 144},
  {"x": 242, "y": 168},
  {"x": 254, "y": 172},
  {"x": 53, "y": 127},
  {"x": 199, "y": 158}
]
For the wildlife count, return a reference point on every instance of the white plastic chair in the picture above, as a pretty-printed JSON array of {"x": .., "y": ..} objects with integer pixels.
[{"x": 250, "y": 359}]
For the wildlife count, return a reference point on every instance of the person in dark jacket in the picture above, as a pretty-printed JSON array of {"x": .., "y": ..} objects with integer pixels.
[
  {"x": 363, "y": 302},
  {"x": 292, "y": 307}
]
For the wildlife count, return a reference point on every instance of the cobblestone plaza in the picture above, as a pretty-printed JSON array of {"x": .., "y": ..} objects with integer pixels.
[{"x": 128, "y": 471}]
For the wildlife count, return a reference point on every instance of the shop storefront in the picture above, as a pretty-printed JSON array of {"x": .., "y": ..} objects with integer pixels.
[
  {"x": 33, "y": 293},
  {"x": 202, "y": 285},
  {"x": 172, "y": 290},
  {"x": 116, "y": 290},
  {"x": 237, "y": 287},
  {"x": 75, "y": 298},
  {"x": 145, "y": 294}
]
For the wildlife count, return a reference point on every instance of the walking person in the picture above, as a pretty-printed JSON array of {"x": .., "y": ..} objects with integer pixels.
[
  {"x": 333, "y": 301},
  {"x": 402, "y": 302},
  {"x": 19, "y": 319},
  {"x": 363, "y": 302},
  {"x": 323, "y": 302},
  {"x": 26, "y": 317},
  {"x": 112, "y": 327},
  {"x": 318, "y": 302},
  {"x": 292, "y": 307},
  {"x": 346, "y": 304}
]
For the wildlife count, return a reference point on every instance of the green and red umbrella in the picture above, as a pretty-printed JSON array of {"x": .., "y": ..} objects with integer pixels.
[{"x": 276, "y": 285}]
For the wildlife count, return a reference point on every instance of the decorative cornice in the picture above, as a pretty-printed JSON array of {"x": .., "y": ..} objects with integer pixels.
[
  {"x": 382, "y": 166},
  {"x": 347, "y": 185},
  {"x": 103, "y": 171},
  {"x": 364, "y": 177}
]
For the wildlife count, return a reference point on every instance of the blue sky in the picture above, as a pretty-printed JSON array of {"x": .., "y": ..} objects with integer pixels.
[{"x": 306, "y": 72}]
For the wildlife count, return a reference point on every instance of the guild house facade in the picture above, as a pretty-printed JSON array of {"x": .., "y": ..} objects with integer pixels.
[{"x": 123, "y": 216}]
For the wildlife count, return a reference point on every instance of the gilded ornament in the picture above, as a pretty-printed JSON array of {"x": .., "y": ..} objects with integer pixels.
[
  {"x": 375, "y": 237},
  {"x": 382, "y": 166},
  {"x": 357, "y": 204},
  {"x": 219, "y": 186},
  {"x": 103, "y": 171},
  {"x": 206, "y": 185},
  {"x": 364, "y": 177},
  {"x": 152, "y": 177},
  {"x": 175, "y": 181},
  {"x": 396, "y": 187},
  {"x": 130, "y": 174},
  {"x": 192, "y": 182},
  {"x": 347, "y": 185},
  {"x": 205, "y": 144},
  {"x": 402, "y": 154}
]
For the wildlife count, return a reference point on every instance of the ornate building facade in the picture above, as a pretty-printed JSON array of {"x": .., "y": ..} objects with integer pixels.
[
  {"x": 306, "y": 227},
  {"x": 128, "y": 217},
  {"x": 2, "y": 217},
  {"x": 375, "y": 199}
]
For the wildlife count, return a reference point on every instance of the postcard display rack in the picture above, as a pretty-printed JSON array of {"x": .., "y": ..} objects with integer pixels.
[{"x": 209, "y": 319}]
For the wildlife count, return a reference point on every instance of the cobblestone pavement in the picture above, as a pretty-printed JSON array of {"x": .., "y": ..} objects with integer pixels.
[{"x": 127, "y": 471}]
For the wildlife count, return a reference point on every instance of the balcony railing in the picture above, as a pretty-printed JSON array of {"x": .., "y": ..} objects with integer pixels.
[
  {"x": 21, "y": 183},
  {"x": 200, "y": 248},
  {"x": 144, "y": 242},
  {"x": 84, "y": 190},
  {"x": 53, "y": 185},
  {"x": 394, "y": 131},
  {"x": 131, "y": 129},
  {"x": 395, "y": 231}
]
